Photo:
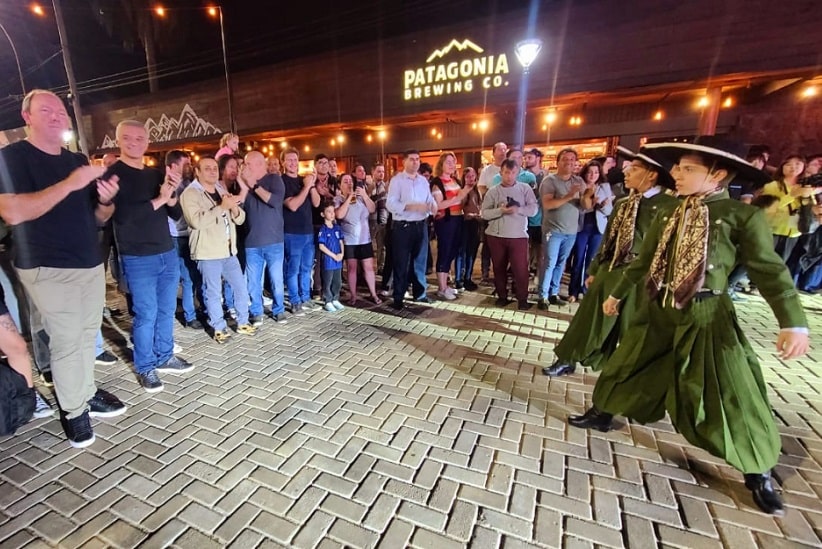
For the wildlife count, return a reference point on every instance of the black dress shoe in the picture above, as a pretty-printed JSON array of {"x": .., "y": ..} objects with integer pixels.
[
  {"x": 397, "y": 305},
  {"x": 422, "y": 299},
  {"x": 592, "y": 419},
  {"x": 560, "y": 368},
  {"x": 501, "y": 302},
  {"x": 763, "y": 493}
]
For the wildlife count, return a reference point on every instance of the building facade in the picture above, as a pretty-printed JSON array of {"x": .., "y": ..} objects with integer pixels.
[{"x": 607, "y": 72}]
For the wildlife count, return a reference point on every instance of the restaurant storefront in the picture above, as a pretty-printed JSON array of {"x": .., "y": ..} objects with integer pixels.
[{"x": 623, "y": 79}]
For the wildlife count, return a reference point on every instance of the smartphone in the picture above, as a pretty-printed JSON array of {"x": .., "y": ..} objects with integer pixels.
[{"x": 511, "y": 202}]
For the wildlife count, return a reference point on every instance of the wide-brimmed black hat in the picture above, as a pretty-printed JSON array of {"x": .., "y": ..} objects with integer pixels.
[
  {"x": 664, "y": 176},
  {"x": 726, "y": 153}
]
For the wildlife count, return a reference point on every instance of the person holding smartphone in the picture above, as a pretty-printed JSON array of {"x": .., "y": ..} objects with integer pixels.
[{"x": 507, "y": 208}]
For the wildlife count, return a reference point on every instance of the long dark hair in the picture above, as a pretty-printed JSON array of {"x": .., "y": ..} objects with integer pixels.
[{"x": 583, "y": 173}]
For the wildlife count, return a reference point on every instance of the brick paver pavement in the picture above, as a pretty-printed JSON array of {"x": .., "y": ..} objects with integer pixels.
[{"x": 432, "y": 428}]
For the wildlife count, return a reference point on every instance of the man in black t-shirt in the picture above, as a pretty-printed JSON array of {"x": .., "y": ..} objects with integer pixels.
[
  {"x": 300, "y": 195},
  {"x": 47, "y": 196},
  {"x": 150, "y": 264}
]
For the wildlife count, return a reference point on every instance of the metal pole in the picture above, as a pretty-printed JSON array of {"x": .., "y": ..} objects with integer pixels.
[
  {"x": 231, "y": 123},
  {"x": 75, "y": 97},
  {"x": 523, "y": 102},
  {"x": 16, "y": 58}
]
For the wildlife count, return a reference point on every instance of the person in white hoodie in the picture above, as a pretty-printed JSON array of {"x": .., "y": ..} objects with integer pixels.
[{"x": 507, "y": 208}]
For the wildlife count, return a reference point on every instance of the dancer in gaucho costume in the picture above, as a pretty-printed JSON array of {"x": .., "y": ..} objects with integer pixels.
[
  {"x": 592, "y": 336},
  {"x": 691, "y": 357}
]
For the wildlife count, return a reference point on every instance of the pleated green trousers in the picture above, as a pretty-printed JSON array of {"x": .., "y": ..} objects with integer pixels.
[{"x": 697, "y": 365}]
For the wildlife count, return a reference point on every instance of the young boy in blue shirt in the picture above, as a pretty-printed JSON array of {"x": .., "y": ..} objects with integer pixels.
[{"x": 331, "y": 244}]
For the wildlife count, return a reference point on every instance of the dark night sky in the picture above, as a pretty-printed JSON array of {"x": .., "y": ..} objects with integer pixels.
[{"x": 258, "y": 33}]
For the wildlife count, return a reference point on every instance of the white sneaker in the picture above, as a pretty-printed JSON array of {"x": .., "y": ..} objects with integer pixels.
[
  {"x": 452, "y": 291},
  {"x": 446, "y": 295},
  {"x": 177, "y": 349},
  {"x": 386, "y": 293},
  {"x": 232, "y": 313},
  {"x": 330, "y": 307},
  {"x": 42, "y": 408},
  {"x": 337, "y": 305},
  {"x": 267, "y": 302}
]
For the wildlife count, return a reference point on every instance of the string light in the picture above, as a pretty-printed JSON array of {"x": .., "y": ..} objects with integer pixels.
[
  {"x": 702, "y": 102},
  {"x": 810, "y": 91},
  {"x": 659, "y": 115},
  {"x": 728, "y": 103},
  {"x": 160, "y": 10}
]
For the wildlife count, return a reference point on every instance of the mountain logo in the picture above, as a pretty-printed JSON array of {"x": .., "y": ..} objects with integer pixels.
[
  {"x": 167, "y": 128},
  {"x": 461, "y": 73},
  {"x": 461, "y": 46}
]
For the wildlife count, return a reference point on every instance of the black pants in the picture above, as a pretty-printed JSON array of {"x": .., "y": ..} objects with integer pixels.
[
  {"x": 388, "y": 260},
  {"x": 410, "y": 252},
  {"x": 332, "y": 282}
]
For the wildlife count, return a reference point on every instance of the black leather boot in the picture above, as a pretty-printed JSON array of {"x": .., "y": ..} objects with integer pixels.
[
  {"x": 560, "y": 368},
  {"x": 764, "y": 495},
  {"x": 592, "y": 419}
]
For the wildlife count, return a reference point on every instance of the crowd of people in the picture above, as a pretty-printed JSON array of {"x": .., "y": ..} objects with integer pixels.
[{"x": 242, "y": 238}]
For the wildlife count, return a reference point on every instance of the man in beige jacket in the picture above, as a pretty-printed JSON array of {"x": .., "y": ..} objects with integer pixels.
[{"x": 212, "y": 215}]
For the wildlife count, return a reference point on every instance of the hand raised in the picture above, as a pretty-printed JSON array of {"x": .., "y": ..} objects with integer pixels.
[
  {"x": 107, "y": 189},
  {"x": 173, "y": 178},
  {"x": 84, "y": 175}
]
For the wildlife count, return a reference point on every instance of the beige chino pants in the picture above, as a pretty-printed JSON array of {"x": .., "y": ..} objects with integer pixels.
[{"x": 71, "y": 303}]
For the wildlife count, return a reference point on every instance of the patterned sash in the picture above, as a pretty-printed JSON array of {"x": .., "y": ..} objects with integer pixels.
[{"x": 689, "y": 226}]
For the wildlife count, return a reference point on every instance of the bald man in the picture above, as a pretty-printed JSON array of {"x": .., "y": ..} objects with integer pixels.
[{"x": 265, "y": 241}]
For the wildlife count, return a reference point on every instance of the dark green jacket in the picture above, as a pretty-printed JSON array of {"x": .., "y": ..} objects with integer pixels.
[{"x": 738, "y": 234}]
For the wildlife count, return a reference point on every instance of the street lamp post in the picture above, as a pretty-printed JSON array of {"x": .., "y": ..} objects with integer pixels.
[
  {"x": 218, "y": 12},
  {"x": 527, "y": 51},
  {"x": 16, "y": 58},
  {"x": 75, "y": 96}
]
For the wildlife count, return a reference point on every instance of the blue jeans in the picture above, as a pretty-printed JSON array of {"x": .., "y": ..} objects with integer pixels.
[
  {"x": 213, "y": 272},
  {"x": 810, "y": 280},
  {"x": 152, "y": 281},
  {"x": 557, "y": 249},
  {"x": 190, "y": 278},
  {"x": 586, "y": 245},
  {"x": 259, "y": 261},
  {"x": 299, "y": 264}
]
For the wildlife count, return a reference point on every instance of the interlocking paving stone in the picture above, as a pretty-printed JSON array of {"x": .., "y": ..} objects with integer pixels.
[{"x": 426, "y": 429}]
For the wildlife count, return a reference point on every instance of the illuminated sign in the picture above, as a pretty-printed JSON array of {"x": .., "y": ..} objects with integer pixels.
[{"x": 440, "y": 77}]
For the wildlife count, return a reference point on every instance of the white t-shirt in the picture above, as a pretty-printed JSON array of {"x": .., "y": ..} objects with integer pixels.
[{"x": 355, "y": 223}]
